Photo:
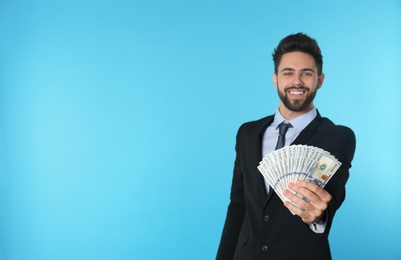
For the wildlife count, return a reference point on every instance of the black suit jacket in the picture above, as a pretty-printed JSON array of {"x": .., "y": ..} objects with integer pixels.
[{"x": 259, "y": 226}]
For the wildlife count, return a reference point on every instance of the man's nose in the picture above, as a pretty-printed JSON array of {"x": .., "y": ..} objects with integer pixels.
[{"x": 298, "y": 80}]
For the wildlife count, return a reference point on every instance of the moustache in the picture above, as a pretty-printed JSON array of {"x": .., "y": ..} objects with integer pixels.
[{"x": 297, "y": 88}]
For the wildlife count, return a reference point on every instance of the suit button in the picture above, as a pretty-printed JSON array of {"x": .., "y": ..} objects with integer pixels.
[
  {"x": 266, "y": 218},
  {"x": 264, "y": 248}
]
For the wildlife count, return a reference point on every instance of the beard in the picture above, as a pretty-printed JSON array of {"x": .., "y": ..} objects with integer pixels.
[{"x": 297, "y": 105}]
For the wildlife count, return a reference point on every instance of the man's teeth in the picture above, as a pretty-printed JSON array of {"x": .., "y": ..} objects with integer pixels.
[{"x": 296, "y": 92}]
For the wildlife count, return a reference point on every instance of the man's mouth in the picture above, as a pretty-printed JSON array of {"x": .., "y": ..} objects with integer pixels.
[{"x": 297, "y": 91}]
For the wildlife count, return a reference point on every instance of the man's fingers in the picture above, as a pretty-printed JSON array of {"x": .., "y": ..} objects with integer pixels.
[
  {"x": 311, "y": 199},
  {"x": 313, "y": 192}
]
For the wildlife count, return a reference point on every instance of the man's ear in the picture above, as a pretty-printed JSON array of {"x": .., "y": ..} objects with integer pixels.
[
  {"x": 274, "y": 76},
  {"x": 320, "y": 80}
]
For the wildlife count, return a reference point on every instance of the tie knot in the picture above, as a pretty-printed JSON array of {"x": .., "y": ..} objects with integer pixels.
[{"x": 283, "y": 127}]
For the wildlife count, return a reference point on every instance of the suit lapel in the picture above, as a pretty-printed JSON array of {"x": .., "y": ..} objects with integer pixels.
[
  {"x": 309, "y": 131},
  {"x": 257, "y": 157}
]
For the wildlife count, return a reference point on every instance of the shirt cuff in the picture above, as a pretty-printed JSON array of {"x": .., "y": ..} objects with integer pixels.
[{"x": 320, "y": 226}]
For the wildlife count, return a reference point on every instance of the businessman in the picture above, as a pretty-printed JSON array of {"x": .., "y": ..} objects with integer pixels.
[{"x": 258, "y": 224}]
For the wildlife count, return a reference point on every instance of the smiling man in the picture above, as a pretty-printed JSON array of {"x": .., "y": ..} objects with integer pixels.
[{"x": 258, "y": 224}]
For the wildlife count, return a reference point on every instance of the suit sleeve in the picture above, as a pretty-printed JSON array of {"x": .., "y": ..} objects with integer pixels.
[
  {"x": 235, "y": 212},
  {"x": 342, "y": 145}
]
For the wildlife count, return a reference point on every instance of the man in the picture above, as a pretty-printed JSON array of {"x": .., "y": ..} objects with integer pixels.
[{"x": 258, "y": 224}]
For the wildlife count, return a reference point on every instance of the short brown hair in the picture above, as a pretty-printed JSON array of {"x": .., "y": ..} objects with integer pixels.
[{"x": 298, "y": 42}]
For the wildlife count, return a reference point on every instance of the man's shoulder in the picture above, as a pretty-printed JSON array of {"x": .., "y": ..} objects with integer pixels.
[
  {"x": 329, "y": 125},
  {"x": 256, "y": 124}
]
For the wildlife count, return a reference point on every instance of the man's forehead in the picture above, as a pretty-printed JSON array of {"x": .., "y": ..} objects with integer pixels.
[{"x": 297, "y": 61}]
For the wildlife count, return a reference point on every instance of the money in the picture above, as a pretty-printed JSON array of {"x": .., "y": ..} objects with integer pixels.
[{"x": 297, "y": 162}]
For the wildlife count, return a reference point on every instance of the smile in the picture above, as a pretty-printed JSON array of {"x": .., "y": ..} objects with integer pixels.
[{"x": 296, "y": 92}]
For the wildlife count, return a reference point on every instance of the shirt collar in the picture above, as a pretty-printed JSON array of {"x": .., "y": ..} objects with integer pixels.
[{"x": 298, "y": 123}]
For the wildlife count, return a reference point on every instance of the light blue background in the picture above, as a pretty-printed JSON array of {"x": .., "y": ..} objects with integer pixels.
[{"x": 118, "y": 121}]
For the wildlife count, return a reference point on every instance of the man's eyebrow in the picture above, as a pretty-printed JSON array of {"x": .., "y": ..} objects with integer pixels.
[
  {"x": 287, "y": 69},
  {"x": 303, "y": 70},
  {"x": 307, "y": 69}
]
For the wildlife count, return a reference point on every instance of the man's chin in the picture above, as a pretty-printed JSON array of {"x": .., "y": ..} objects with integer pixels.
[{"x": 296, "y": 106}]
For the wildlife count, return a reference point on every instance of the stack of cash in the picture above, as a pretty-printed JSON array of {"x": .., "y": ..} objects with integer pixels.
[{"x": 297, "y": 162}]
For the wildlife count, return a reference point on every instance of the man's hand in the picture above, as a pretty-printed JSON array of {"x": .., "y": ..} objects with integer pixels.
[{"x": 313, "y": 201}]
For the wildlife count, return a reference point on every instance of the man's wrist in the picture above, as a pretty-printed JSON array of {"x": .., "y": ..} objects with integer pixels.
[{"x": 321, "y": 220}]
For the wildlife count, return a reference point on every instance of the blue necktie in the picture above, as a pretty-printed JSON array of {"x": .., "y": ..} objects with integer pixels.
[{"x": 282, "y": 130}]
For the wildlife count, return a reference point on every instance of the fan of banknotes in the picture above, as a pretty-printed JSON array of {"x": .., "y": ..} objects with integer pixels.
[{"x": 297, "y": 162}]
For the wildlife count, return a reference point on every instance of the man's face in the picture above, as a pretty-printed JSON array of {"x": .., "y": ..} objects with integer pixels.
[{"x": 297, "y": 81}]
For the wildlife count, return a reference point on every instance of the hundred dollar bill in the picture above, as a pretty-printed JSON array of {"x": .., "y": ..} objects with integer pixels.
[{"x": 325, "y": 169}]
